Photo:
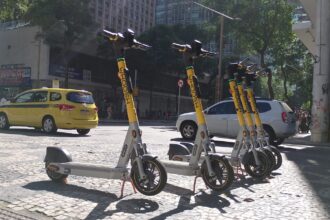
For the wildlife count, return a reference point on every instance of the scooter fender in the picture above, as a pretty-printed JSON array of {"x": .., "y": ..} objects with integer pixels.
[
  {"x": 189, "y": 145},
  {"x": 216, "y": 155},
  {"x": 178, "y": 149},
  {"x": 246, "y": 157},
  {"x": 58, "y": 155},
  {"x": 148, "y": 157}
]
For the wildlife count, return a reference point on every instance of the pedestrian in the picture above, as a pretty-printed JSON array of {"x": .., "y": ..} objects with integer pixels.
[{"x": 109, "y": 111}]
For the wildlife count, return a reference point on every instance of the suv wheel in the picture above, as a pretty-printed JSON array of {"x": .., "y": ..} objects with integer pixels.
[
  {"x": 48, "y": 125},
  {"x": 188, "y": 130},
  {"x": 271, "y": 135},
  {"x": 278, "y": 141},
  {"x": 83, "y": 131},
  {"x": 4, "y": 124}
]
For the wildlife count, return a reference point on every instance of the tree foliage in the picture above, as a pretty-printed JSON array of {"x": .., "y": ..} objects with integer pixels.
[
  {"x": 13, "y": 9},
  {"x": 63, "y": 23}
]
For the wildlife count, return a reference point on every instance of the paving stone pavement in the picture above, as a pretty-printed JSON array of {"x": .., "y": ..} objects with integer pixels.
[{"x": 300, "y": 189}]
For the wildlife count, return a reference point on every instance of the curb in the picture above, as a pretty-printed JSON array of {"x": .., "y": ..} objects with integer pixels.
[{"x": 307, "y": 143}]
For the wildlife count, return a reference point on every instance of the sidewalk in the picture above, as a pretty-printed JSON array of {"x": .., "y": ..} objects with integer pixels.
[{"x": 304, "y": 139}]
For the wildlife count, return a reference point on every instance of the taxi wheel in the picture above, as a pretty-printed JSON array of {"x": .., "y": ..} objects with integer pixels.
[
  {"x": 4, "y": 124},
  {"x": 83, "y": 131},
  {"x": 48, "y": 125}
]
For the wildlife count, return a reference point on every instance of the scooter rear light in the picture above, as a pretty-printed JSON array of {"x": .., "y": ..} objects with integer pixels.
[
  {"x": 65, "y": 107},
  {"x": 284, "y": 117}
]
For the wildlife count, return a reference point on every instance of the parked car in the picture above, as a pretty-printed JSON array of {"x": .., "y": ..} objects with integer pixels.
[
  {"x": 51, "y": 108},
  {"x": 277, "y": 117}
]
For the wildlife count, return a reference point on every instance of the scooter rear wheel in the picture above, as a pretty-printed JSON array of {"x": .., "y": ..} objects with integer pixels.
[
  {"x": 54, "y": 176},
  {"x": 277, "y": 155},
  {"x": 156, "y": 177},
  {"x": 259, "y": 172},
  {"x": 271, "y": 158},
  {"x": 224, "y": 174}
]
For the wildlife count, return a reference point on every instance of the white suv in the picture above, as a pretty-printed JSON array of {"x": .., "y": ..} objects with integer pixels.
[{"x": 277, "y": 117}]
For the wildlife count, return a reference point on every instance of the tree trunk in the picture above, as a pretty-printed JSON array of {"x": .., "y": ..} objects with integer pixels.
[
  {"x": 269, "y": 76},
  {"x": 285, "y": 79}
]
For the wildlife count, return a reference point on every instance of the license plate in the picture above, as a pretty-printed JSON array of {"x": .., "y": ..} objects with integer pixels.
[{"x": 84, "y": 112}]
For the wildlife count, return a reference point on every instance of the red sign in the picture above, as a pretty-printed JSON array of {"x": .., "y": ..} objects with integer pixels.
[
  {"x": 180, "y": 83},
  {"x": 15, "y": 76}
]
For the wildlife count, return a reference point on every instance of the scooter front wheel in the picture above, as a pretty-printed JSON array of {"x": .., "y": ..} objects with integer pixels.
[
  {"x": 251, "y": 167},
  {"x": 155, "y": 180},
  {"x": 54, "y": 176},
  {"x": 224, "y": 174}
]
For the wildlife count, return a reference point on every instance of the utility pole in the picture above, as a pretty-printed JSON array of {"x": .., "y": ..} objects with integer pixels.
[
  {"x": 219, "y": 77},
  {"x": 321, "y": 82}
]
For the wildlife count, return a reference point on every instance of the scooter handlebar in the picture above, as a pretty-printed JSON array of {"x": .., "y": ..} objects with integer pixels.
[
  {"x": 127, "y": 38},
  {"x": 188, "y": 48},
  {"x": 206, "y": 53},
  {"x": 180, "y": 47},
  {"x": 140, "y": 46}
]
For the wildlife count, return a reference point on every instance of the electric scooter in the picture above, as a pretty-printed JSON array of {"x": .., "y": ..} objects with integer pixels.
[
  {"x": 215, "y": 169},
  {"x": 245, "y": 151},
  {"x": 248, "y": 118},
  {"x": 255, "y": 161},
  {"x": 147, "y": 174},
  {"x": 262, "y": 140}
]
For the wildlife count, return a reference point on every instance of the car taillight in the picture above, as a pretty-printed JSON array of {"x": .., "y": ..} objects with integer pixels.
[
  {"x": 65, "y": 107},
  {"x": 284, "y": 117}
]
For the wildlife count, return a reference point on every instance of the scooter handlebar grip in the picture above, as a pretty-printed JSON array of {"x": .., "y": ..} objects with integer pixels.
[
  {"x": 140, "y": 46},
  {"x": 109, "y": 34},
  {"x": 244, "y": 62},
  {"x": 179, "y": 47},
  {"x": 206, "y": 53}
]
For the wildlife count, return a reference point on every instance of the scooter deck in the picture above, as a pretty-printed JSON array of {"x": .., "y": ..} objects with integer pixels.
[
  {"x": 181, "y": 168},
  {"x": 91, "y": 170}
]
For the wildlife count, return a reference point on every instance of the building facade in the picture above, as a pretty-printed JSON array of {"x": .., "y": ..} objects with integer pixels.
[
  {"x": 180, "y": 12},
  {"x": 118, "y": 15},
  {"x": 26, "y": 63}
]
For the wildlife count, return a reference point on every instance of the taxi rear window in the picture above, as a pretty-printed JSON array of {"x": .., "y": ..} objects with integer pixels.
[{"x": 80, "y": 97}]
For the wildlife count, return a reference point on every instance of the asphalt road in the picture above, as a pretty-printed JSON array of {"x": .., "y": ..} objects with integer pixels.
[{"x": 300, "y": 189}]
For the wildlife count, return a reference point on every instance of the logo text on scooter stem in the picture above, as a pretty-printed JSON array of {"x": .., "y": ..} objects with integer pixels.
[
  {"x": 193, "y": 92},
  {"x": 121, "y": 75}
]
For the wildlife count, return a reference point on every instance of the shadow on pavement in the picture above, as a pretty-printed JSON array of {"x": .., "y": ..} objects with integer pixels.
[
  {"x": 216, "y": 142},
  {"x": 100, "y": 198},
  {"x": 188, "y": 201},
  {"x": 314, "y": 165},
  {"x": 36, "y": 132}
]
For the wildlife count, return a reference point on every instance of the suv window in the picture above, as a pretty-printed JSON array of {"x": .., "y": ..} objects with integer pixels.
[
  {"x": 26, "y": 97},
  {"x": 286, "y": 107},
  {"x": 55, "y": 96},
  {"x": 40, "y": 96},
  {"x": 222, "y": 108},
  {"x": 80, "y": 97},
  {"x": 263, "y": 107}
]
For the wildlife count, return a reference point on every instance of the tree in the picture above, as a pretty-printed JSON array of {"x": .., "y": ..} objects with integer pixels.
[
  {"x": 264, "y": 24},
  {"x": 13, "y": 9},
  {"x": 63, "y": 24}
]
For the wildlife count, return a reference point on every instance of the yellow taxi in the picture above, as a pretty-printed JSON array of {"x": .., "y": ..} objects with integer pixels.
[{"x": 51, "y": 108}]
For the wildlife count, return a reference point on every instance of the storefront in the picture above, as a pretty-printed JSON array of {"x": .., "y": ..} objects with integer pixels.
[{"x": 14, "y": 78}]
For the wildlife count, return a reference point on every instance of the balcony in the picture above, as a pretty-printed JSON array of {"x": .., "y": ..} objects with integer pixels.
[{"x": 304, "y": 25}]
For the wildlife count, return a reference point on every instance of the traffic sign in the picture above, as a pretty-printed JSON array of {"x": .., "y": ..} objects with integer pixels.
[{"x": 180, "y": 83}]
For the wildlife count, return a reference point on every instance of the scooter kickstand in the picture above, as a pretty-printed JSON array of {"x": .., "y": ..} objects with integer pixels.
[
  {"x": 194, "y": 186},
  {"x": 123, "y": 186}
]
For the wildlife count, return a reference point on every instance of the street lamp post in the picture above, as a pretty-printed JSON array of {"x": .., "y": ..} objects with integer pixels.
[{"x": 219, "y": 78}]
